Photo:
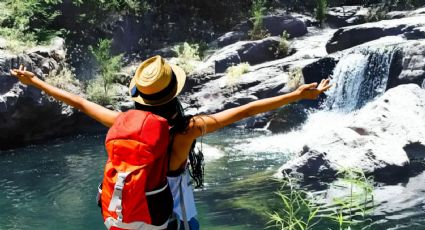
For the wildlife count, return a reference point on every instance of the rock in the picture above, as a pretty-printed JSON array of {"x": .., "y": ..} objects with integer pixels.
[
  {"x": 287, "y": 118},
  {"x": 220, "y": 92},
  {"x": 230, "y": 38},
  {"x": 403, "y": 14},
  {"x": 318, "y": 70},
  {"x": 408, "y": 65},
  {"x": 166, "y": 52},
  {"x": 355, "y": 35},
  {"x": 27, "y": 115},
  {"x": 346, "y": 16},
  {"x": 276, "y": 25},
  {"x": 375, "y": 139},
  {"x": 253, "y": 52}
]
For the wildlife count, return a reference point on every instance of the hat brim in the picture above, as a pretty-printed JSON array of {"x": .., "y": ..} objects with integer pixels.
[{"x": 181, "y": 79}]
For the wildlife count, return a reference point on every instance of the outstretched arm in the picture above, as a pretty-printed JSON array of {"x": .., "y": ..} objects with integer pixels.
[
  {"x": 95, "y": 111},
  {"x": 203, "y": 124}
]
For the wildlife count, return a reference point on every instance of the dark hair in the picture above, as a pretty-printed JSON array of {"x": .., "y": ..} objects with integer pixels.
[{"x": 172, "y": 111}]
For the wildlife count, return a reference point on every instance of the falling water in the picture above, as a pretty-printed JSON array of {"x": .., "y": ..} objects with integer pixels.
[{"x": 360, "y": 76}]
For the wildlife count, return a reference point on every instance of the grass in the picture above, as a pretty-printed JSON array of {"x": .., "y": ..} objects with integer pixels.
[
  {"x": 295, "y": 78},
  {"x": 302, "y": 210},
  {"x": 233, "y": 73},
  {"x": 66, "y": 80},
  {"x": 283, "y": 47}
]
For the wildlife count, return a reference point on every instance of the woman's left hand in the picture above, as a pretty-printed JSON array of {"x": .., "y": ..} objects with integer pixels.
[{"x": 312, "y": 91}]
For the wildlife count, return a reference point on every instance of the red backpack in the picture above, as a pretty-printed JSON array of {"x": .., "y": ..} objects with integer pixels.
[{"x": 134, "y": 191}]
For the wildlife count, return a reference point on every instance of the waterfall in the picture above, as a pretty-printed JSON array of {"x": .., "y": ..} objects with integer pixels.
[{"x": 360, "y": 76}]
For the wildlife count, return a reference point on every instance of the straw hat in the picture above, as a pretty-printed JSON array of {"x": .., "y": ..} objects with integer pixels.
[{"x": 156, "y": 82}]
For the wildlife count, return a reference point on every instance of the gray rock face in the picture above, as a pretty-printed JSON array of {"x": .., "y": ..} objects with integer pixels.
[
  {"x": 408, "y": 65},
  {"x": 346, "y": 16},
  {"x": 215, "y": 92},
  {"x": 377, "y": 138},
  {"x": 27, "y": 114},
  {"x": 355, "y": 35}
]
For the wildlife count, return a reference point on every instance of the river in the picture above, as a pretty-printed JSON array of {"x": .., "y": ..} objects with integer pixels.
[{"x": 53, "y": 186}]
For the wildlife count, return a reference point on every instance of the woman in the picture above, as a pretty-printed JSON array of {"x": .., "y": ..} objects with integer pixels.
[{"x": 155, "y": 87}]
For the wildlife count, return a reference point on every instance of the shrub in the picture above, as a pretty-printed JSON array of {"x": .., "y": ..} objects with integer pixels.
[
  {"x": 66, "y": 80},
  {"x": 295, "y": 78},
  {"x": 187, "y": 56},
  {"x": 95, "y": 92},
  {"x": 234, "y": 72},
  {"x": 25, "y": 22},
  {"x": 257, "y": 13},
  {"x": 108, "y": 67},
  {"x": 283, "y": 47},
  {"x": 321, "y": 9}
]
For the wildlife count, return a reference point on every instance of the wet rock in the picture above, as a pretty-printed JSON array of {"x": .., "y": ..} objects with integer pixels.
[
  {"x": 287, "y": 118},
  {"x": 318, "y": 70},
  {"x": 373, "y": 139},
  {"x": 351, "y": 36}
]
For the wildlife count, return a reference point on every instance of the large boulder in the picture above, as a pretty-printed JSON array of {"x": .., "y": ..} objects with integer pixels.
[
  {"x": 252, "y": 52},
  {"x": 27, "y": 114},
  {"x": 348, "y": 37},
  {"x": 376, "y": 139},
  {"x": 276, "y": 25},
  {"x": 346, "y": 15},
  {"x": 221, "y": 91}
]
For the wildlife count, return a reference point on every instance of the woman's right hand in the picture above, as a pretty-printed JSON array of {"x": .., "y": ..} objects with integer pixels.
[
  {"x": 24, "y": 76},
  {"x": 312, "y": 91}
]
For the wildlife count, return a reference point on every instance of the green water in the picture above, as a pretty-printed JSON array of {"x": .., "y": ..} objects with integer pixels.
[{"x": 54, "y": 187}]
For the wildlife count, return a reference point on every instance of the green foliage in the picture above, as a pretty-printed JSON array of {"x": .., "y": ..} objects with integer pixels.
[
  {"x": 321, "y": 9},
  {"x": 25, "y": 23},
  {"x": 257, "y": 13},
  {"x": 301, "y": 210},
  {"x": 187, "y": 56},
  {"x": 108, "y": 67}
]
